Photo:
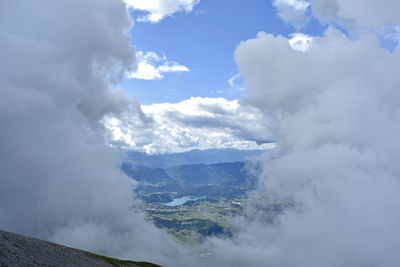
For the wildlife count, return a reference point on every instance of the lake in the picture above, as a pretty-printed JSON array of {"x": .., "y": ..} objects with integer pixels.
[{"x": 182, "y": 200}]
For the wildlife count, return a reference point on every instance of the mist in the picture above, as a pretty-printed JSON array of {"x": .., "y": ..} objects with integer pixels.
[
  {"x": 59, "y": 181},
  {"x": 337, "y": 112},
  {"x": 336, "y": 124}
]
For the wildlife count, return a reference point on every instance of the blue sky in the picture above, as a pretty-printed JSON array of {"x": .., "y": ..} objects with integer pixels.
[
  {"x": 185, "y": 54},
  {"x": 203, "y": 40}
]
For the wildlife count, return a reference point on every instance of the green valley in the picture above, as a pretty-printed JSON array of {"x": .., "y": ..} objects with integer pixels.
[{"x": 219, "y": 191}]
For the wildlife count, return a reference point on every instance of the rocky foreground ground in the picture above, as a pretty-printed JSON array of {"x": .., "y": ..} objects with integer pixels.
[{"x": 19, "y": 250}]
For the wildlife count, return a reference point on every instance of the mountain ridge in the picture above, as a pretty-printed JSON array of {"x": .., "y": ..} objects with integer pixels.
[
  {"x": 196, "y": 156},
  {"x": 20, "y": 250}
]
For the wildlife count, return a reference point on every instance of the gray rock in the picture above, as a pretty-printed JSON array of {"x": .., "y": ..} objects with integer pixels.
[{"x": 19, "y": 250}]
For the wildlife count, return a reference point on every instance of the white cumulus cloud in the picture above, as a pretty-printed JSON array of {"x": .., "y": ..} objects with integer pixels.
[
  {"x": 357, "y": 15},
  {"x": 338, "y": 126},
  {"x": 151, "y": 66},
  {"x": 159, "y": 9},
  {"x": 194, "y": 123},
  {"x": 301, "y": 42},
  {"x": 292, "y": 11}
]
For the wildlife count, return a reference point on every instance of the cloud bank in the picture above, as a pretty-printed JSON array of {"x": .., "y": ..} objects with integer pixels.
[
  {"x": 338, "y": 124},
  {"x": 159, "y": 9},
  {"x": 196, "y": 123},
  {"x": 59, "y": 181},
  {"x": 356, "y": 16}
]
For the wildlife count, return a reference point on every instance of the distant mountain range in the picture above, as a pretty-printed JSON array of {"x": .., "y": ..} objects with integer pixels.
[
  {"x": 208, "y": 156},
  {"x": 228, "y": 180},
  {"x": 212, "y": 173}
]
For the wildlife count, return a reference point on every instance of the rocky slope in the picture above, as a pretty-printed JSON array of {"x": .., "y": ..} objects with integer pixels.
[{"x": 19, "y": 250}]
